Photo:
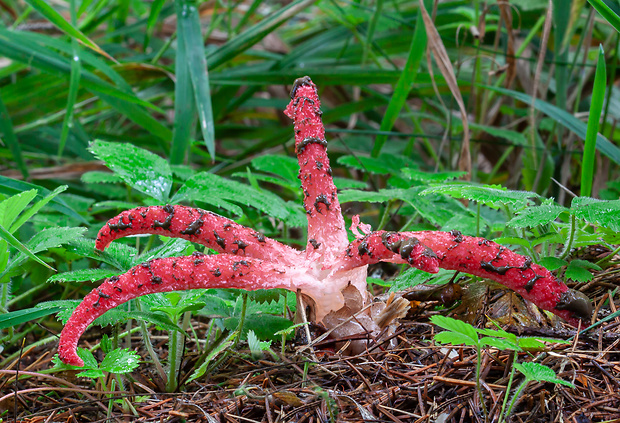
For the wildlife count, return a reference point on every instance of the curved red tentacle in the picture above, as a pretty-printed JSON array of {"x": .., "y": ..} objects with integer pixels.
[
  {"x": 196, "y": 225},
  {"x": 164, "y": 275},
  {"x": 475, "y": 256}
]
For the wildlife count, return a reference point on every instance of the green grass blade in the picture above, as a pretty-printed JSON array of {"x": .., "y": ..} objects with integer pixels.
[
  {"x": 31, "y": 211},
  {"x": 74, "y": 86},
  {"x": 56, "y": 18},
  {"x": 10, "y": 140},
  {"x": 256, "y": 33},
  {"x": 184, "y": 105},
  {"x": 189, "y": 25},
  {"x": 565, "y": 119},
  {"x": 596, "y": 108},
  {"x": 10, "y": 187},
  {"x": 156, "y": 7},
  {"x": 403, "y": 86},
  {"x": 14, "y": 242},
  {"x": 608, "y": 14},
  {"x": 16, "y": 318}
]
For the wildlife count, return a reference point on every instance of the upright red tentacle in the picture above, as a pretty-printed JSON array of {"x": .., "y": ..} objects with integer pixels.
[
  {"x": 475, "y": 256},
  {"x": 326, "y": 230},
  {"x": 196, "y": 225},
  {"x": 164, "y": 275}
]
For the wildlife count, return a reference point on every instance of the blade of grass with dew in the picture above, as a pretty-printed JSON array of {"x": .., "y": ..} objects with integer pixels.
[
  {"x": 608, "y": 14},
  {"x": 256, "y": 33},
  {"x": 156, "y": 7},
  {"x": 563, "y": 118},
  {"x": 596, "y": 108},
  {"x": 184, "y": 105},
  {"x": 188, "y": 21},
  {"x": 10, "y": 140},
  {"x": 403, "y": 86},
  {"x": 56, "y": 18},
  {"x": 15, "y": 318},
  {"x": 74, "y": 85},
  {"x": 14, "y": 242}
]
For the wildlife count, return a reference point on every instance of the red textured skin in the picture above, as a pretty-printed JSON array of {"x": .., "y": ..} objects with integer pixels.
[
  {"x": 164, "y": 275},
  {"x": 466, "y": 254},
  {"x": 325, "y": 221},
  {"x": 216, "y": 232}
]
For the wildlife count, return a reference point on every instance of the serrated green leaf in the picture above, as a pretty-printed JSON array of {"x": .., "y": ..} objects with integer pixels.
[
  {"x": 173, "y": 247},
  {"x": 120, "y": 361},
  {"x": 532, "y": 344},
  {"x": 454, "y": 338},
  {"x": 97, "y": 177},
  {"x": 534, "y": 216},
  {"x": 144, "y": 171},
  {"x": 500, "y": 343},
  {"x": 23, "y": 249},
  {"x": 53, "y": 237},
  {"x": 82, "y": 275},
  {"x": 32, "y": 210},
  {"x": 382, "y": 165},
  {"x": 89, "y": 361},
  {"x": 463, "y": 332},
  {"x": 116, "y": 254},
  {"x": 91, "y": 373},
  {"x": 540, "y": 373},
  {"x": 257, "y": 346},
  {"x": 284, "y": 166},
  {"x": 601, "y": 212},
  {"x": 577, "y": 273},
  {"x": 431, "y": 177},
  {"x": 490, "y": 195},
  {"x": 218, "y": 191},
  {"x": 552, "y": 263}
]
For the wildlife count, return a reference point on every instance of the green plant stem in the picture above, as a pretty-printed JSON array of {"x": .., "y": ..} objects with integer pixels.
[
  {"x": 508, "y": 386},
  {"x": 173, "y": 362},
  {"x": 149, "y": 346},
  {"x": 516, "y": 396},
  {"x": 571, "y": 237}
]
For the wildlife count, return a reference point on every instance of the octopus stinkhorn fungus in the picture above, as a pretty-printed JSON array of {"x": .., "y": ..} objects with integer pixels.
[{"x": 330, "y": 273}]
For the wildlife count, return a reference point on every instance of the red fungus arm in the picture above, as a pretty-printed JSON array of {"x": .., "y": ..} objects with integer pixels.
[
  {"x": 326, "y": 230},
  {"x": 200, "y": 226},
  {"x": 164, "y": 275},
  {"x": 475, "y": 256}
]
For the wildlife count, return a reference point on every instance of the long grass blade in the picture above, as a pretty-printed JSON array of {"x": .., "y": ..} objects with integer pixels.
[
  {"x": 189, "y": 25},
  {"x": 74, "y": 85},
  {"x": 56, "y": 18},
  {"x": 596, "y": 108},
  {"x": 608, "y": 14},
  {"x": 156, "y": 7},
  {"x": 184, "y": 105},
  {"x": 563, "y": 118},
  {"x": 403, "y": 86},
  {"x": 14, "y": 242},
  {"x": 10, "y": 139}
]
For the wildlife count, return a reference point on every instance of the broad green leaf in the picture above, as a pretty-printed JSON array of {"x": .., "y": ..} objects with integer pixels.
[
  {"x": 90, "y": 362},
  {"x": 54, "y": 237},
  {"x": 596, "y": 108},
  {"x": 454, "y": 338},
  {"x": 577, "y": 270},
  {"x": 284, "y": 166},
  {"x": 116, "y": 254},
  {"x": 565, "y": 119},
  {"x": 384, "y": 164},
  {"x": 540, "y": 373},
  {"x": 408, "y": 279},
  {"x": 500, "y": 343},
  {"x": 120, "y": 361},
  {"x": 490, "y": 195},
  {"x": 172, "y": 247},
  {"x": 16, "y": 318},
  {"x": 534, "y": 216},
  {"x": 604, "y": 213},
  {"x": 218, "y": 191},
  {"x": 82, "y": 275},
  {"x": 91, "y": 373},
  {"x": 144, "y": 171}
]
